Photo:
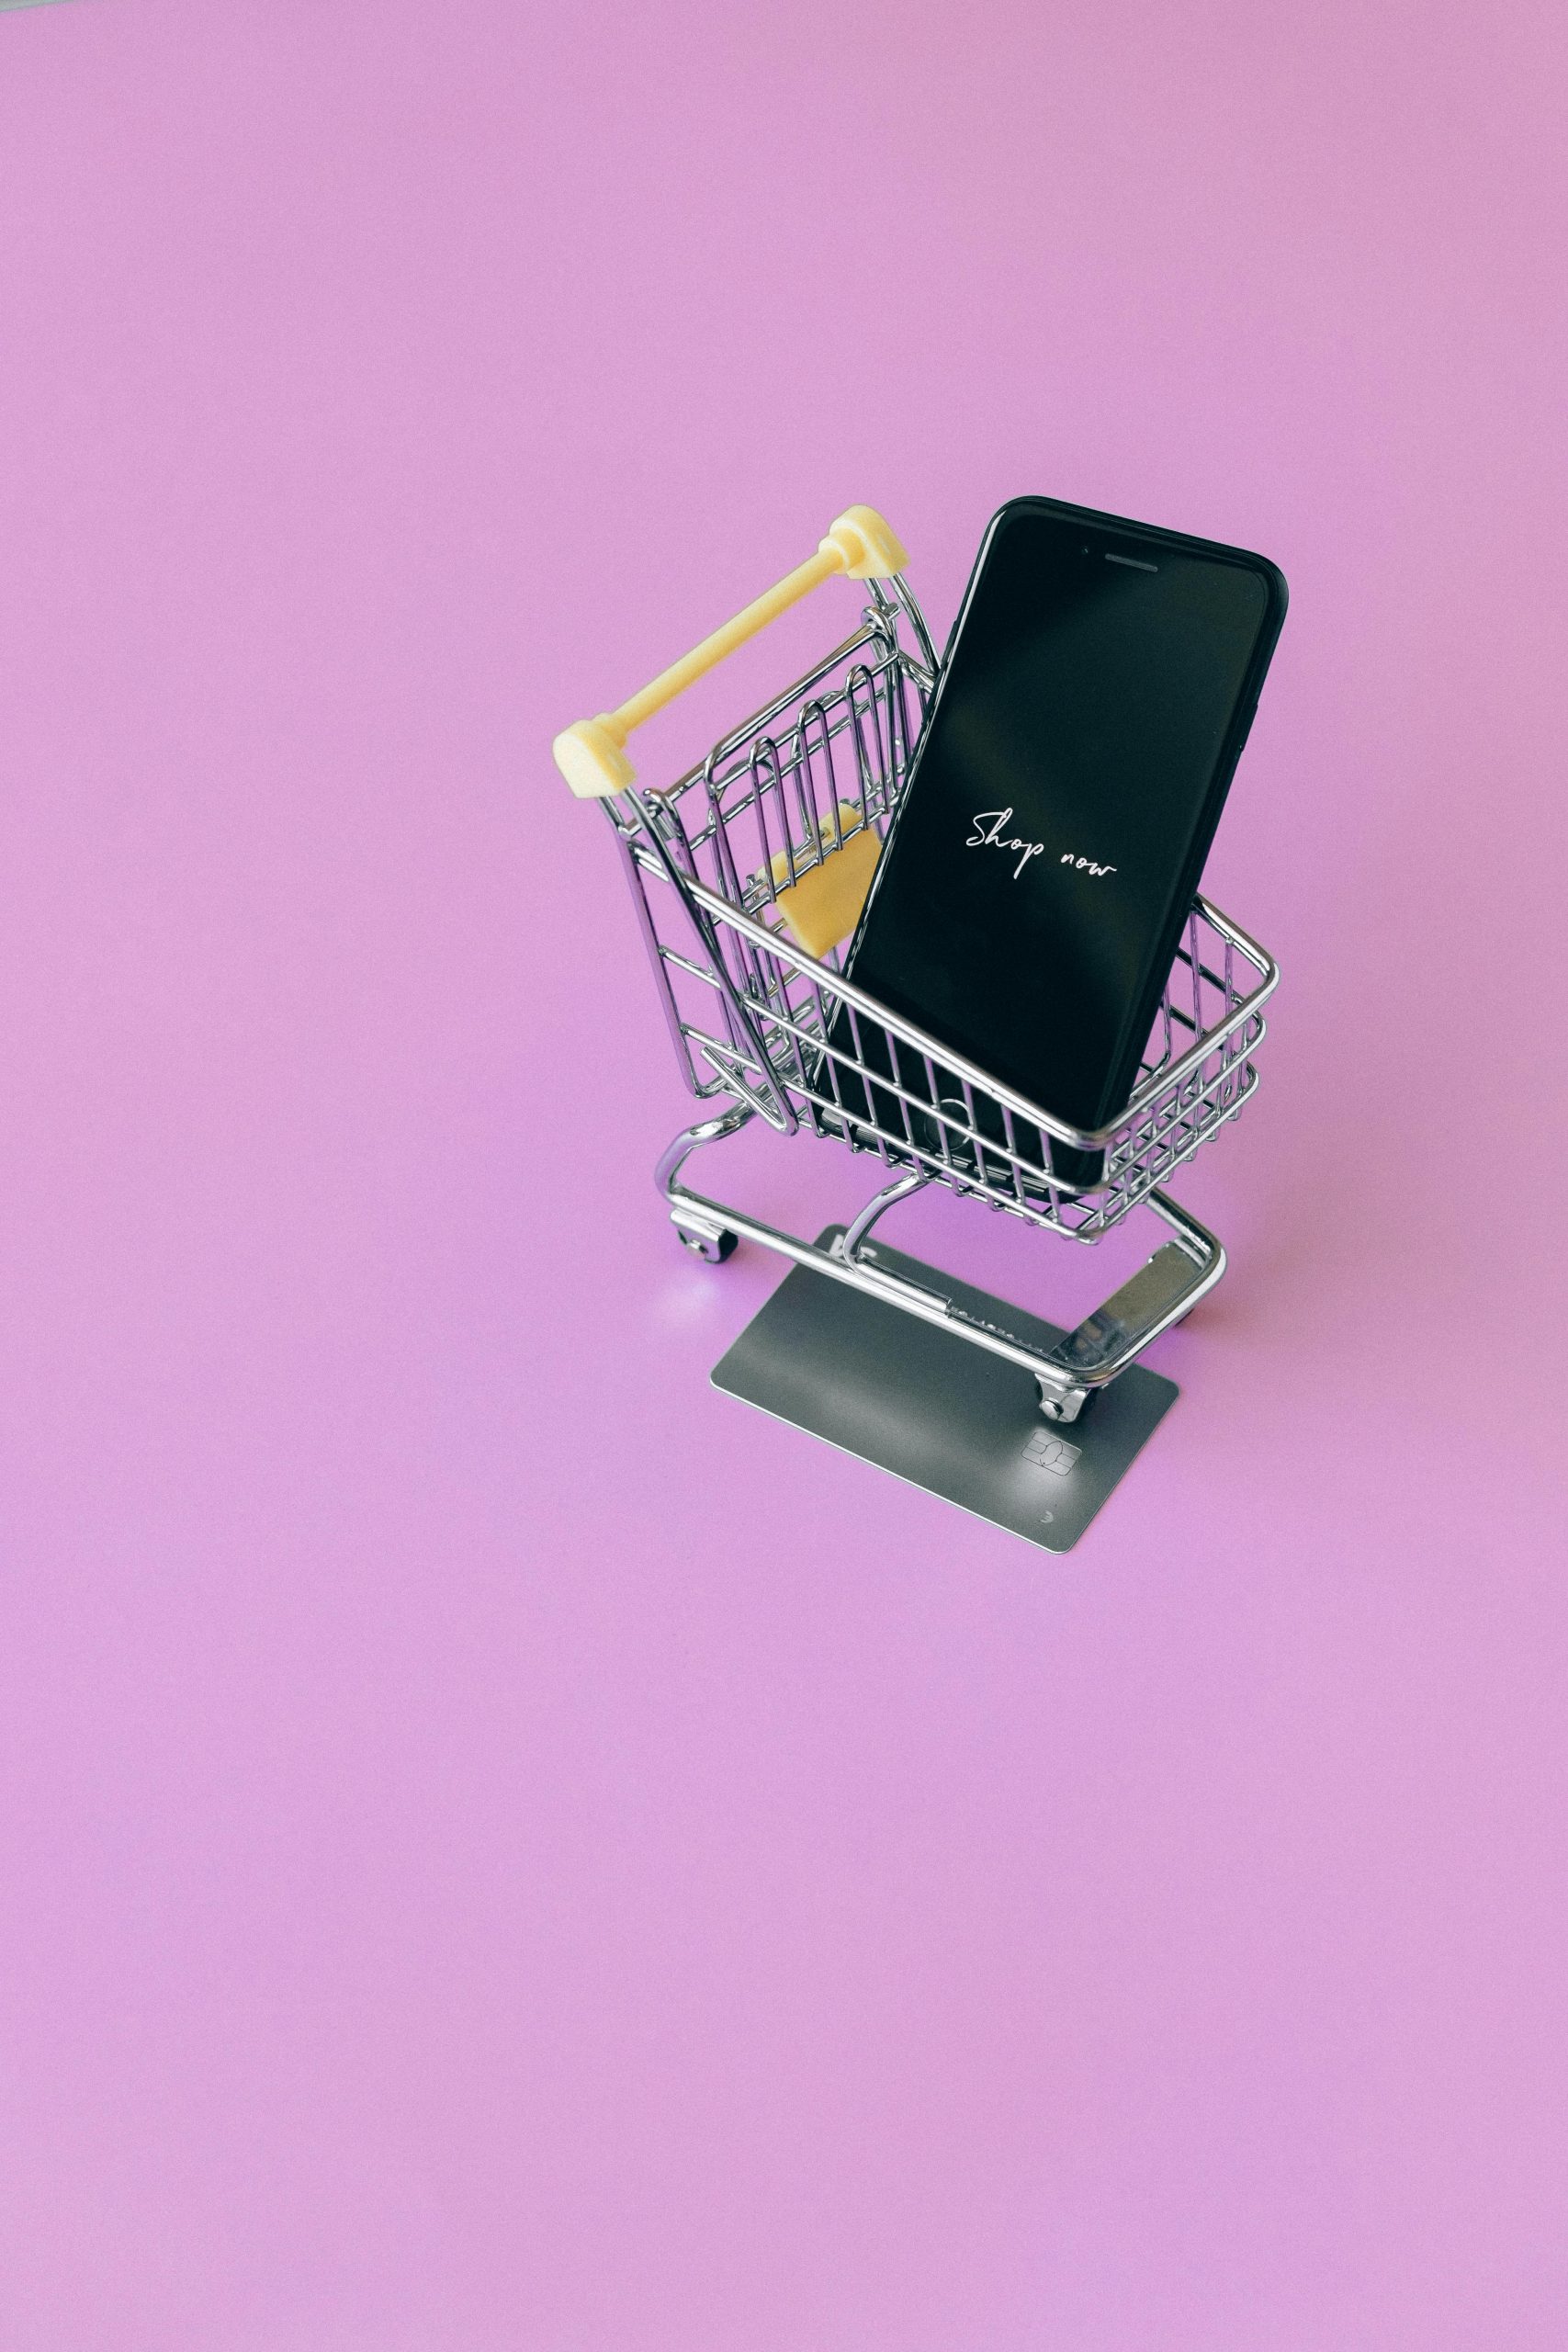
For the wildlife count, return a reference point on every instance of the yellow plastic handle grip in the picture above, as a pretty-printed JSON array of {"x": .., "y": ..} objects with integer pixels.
[{"x": 592, "y": 755}]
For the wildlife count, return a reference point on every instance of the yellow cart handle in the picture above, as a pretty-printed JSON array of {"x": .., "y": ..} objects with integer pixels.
[{"x": 592, "y": 755}]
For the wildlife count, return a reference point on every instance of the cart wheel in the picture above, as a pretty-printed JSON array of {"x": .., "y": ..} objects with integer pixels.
[
  {"x": 1057, "y": 1408},
  {"x": 711, "y": 1248}
]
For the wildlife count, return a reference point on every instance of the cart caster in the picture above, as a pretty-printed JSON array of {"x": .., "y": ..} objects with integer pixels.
[
  {"x": 1061, "y": 1404},
  {"x": 713, "y": 1248}
]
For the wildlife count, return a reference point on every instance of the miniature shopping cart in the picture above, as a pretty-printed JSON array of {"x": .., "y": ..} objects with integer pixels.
[{"x": 748, "y": 874}]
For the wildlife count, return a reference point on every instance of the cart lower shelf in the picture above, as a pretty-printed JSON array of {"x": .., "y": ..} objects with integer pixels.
[
  {"x": 1068, "y": 1369},
  {"x": 917, "y": 1400}
]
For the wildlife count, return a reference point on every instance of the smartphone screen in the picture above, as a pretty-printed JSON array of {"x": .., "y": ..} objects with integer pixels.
[{"x": 1095, "y": 699}]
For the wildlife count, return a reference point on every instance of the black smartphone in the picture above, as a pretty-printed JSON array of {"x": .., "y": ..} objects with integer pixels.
[{"x": 1099, "y": 686}]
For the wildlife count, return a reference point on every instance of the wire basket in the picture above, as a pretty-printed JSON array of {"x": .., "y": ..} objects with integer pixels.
[{"x": 716, "y": 861}]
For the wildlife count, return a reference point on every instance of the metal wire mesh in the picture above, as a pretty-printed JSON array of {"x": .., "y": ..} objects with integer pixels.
[{"x": 754, "y": 1017}]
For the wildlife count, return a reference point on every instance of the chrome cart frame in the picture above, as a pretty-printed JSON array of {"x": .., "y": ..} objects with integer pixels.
[{"x": 731, "y": 864}]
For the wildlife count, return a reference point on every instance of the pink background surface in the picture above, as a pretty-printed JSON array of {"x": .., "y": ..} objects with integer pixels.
[{"x": 501, "y": 1846}]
